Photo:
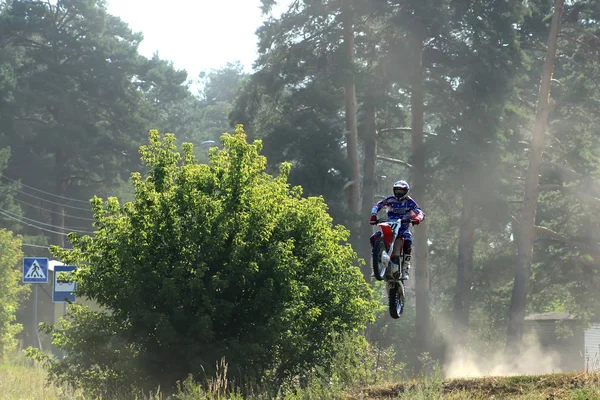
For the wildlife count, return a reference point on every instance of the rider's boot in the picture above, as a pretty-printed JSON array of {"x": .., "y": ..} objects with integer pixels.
[{"x": 405, "y": 267}]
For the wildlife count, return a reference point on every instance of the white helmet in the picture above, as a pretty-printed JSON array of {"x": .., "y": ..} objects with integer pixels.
[{"x": 401, "y": 189}]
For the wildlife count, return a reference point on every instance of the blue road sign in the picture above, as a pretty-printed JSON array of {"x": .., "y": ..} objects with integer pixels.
[
  {"x": 35, "y": 270},
  {"x": 63, "y": 287}
]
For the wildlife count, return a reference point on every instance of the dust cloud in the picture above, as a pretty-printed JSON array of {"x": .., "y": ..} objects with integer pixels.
[
  {"x": 466, "y": 363},
  {"x": 462, "y": 363}
]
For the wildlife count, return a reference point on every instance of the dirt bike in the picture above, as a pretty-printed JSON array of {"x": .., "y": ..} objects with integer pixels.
[{"x": 382, "y": 242}]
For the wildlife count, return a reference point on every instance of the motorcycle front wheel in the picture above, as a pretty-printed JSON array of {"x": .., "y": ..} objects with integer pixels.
[
  {"x": 396, "y": 299},
  {"x": 378, "y": 267}
]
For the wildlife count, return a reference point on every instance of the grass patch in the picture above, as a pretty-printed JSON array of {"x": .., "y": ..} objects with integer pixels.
[
  {"x": 556, "y": 386},
  {"x": 25, "y": 382},
  {"x": 19, "y": 382}
]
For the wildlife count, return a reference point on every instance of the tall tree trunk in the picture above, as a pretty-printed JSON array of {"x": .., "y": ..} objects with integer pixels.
[
  {"x": 464, "y": 275},
  {"x": 368, "y": 183},
  {"x": 421, "y": 252},
  {"x": 525, "y": 229},
  {"x": 350, "y": 105}
]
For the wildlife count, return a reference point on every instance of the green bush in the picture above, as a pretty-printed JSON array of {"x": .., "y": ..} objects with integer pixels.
[{"x": 210, "y": 261}]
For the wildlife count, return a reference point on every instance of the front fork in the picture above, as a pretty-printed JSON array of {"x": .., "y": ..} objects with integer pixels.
[{"x": 386, "y": 257}]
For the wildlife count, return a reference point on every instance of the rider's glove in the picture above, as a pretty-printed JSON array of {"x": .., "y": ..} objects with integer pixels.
[
  {"x": 373, "y": 219},
  {"x": 415, "y": 221}
]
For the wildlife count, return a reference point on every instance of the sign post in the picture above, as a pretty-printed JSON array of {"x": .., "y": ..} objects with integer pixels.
[
  {"x": 63, "y": 288},
  {"x": 35, "y": 271}
]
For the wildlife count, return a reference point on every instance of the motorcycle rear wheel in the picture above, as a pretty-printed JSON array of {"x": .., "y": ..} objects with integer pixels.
[
  {"x": 396, "y": 299},
  {"x": 378, "y": 268}
]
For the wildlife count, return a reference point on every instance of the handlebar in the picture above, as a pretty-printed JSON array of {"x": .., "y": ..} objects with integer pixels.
[{"x": 402, "y": 221}]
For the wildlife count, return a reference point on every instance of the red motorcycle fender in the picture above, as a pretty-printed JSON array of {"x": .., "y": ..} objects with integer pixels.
[{"x": 388, "y": 234}]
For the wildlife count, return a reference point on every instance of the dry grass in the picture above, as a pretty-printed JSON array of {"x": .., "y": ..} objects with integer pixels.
[
  {"x": 18, "y": 382},
  {"x": 576, "y": 386}
]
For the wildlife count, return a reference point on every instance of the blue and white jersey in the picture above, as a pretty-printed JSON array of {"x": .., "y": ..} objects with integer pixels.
[{"x": 396, "y": 209}]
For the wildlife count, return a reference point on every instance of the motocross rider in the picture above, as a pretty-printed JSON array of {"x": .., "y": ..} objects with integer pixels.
[{"x": 400, "y": 206}]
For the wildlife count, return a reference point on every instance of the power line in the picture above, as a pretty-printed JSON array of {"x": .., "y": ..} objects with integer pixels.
[
  {"x": 41, "y": 191},
  {"x": 31, "y": 225},
  {"x": 40, "y": 247},
  {"x": 35, "y": 245},
  {"x": 51, "y": 211},
  {"x": 48, "y": 201},
  {"x": 43, "y": 223}
]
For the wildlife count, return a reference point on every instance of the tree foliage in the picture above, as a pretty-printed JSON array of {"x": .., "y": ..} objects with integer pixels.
[
  {"x": 211, "y": 261},
  {"x": 76, "y": 99},
  {"x": 481, "y": 63},
  {"x": 8, "y": 206},
  {"x": 12, "y": 290}
]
